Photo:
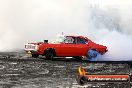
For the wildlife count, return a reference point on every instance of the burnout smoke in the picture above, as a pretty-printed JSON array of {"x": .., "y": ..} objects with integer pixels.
[
  {"x": 107, "y": 22},
  {"x": 111, "y": 33}
]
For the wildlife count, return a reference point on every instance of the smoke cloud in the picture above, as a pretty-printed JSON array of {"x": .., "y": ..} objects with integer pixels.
[{"x": 106, "y": 22}]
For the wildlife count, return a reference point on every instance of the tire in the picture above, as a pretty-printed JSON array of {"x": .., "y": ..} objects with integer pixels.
[
  {"x": 35, "y": 55},
  {"x": 49, "y": 54},
  {"x": 92, "y": 55},
  {"x": 81, "y": 80},
  {"x": 78, "y": 58}
]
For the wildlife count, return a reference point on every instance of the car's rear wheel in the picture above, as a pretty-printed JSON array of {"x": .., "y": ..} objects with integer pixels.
[
  {"x": 35, "y": 55},
  {"x": 92, "y": 55}
]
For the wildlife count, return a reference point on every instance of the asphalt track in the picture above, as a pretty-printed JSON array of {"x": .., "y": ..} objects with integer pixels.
[{"x": 18, "y": 70}]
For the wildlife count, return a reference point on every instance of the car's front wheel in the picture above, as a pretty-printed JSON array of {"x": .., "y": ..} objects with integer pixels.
[{"x": 49, "y": 54}]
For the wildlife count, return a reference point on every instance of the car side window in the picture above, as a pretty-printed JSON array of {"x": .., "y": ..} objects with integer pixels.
[
  {"x": 69, "y": 40},
  {"x": 81, "y": 41}
]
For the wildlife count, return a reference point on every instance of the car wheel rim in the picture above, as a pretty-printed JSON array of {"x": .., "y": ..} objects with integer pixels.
[{"x": 92, "y": 55}]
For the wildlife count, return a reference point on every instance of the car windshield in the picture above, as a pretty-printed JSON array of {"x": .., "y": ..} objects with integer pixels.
[{"x": 59, "y": 39}]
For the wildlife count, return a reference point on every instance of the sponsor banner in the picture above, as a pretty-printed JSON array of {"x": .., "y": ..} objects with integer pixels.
[
  {"x": 84, "y": 77},
  {"x": 107, "y": 78}
]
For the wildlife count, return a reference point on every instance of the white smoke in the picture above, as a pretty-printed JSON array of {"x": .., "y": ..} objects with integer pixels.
[
  {"x": 107, "y": 22},
  {"x": 110, "y": 32}
]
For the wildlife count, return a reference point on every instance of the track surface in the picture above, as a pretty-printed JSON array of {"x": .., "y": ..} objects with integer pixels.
[{"x": 25, "y": 72}]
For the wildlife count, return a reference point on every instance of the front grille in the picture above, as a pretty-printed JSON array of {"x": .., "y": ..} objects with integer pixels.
[{"x": 30, "y": 47}]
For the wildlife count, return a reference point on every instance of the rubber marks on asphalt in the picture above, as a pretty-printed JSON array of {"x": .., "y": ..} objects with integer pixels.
[{"x": 2, "y": 67}]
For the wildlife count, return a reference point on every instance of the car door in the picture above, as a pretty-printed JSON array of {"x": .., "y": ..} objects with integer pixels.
[
  {"x": 68, "y": 48},
  {"x": 82, "y": 46}
]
